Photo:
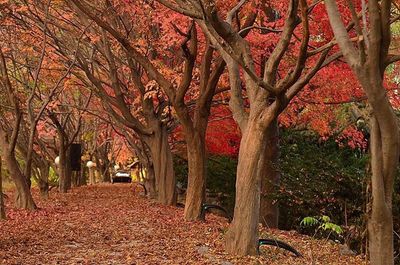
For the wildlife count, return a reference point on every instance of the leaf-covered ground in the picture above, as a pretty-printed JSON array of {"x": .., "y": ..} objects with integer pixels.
[{"x": 113, "y": 224}]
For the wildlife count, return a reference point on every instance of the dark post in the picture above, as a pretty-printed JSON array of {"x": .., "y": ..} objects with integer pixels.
[{"x": 2, "y": 210}]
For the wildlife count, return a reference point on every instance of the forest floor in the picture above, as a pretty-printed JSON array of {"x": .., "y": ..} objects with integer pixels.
[{"x": 114, "y": 224}]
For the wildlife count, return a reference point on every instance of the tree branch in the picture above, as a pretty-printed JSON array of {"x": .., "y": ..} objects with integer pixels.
[{"x": 342, "y": 37}]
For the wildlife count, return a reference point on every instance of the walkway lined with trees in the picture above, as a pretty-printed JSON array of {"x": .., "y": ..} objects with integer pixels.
[
  {"x": 88, "y": 87},
  {"x": 113, "y": 224}
]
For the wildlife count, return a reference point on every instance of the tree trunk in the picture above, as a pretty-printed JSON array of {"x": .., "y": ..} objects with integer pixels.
[
  {"x": 65, "y": 169},
  {"x": 82, "y": 176},
  {"x": 103, "y": 167},
  {"x": 92, "y": 176},
  {"x": 150, "y": 182},
  {"x": 242, "y": 236},
  {"x": 105, "y": 172},
  {"x": 44, "y": 180},
  {"x": 196, "y": 189},
  {"x": 24, "y": 198},
  {"x": 369, "y": 63},
  {"x": 163, "y": 166},
  {"x": 29, "y": 155},
  {"x": 269, "y": 210},
  {"x": 2, "y": 208},
  {"x": 74, "y": 178},
  {"x": 384, "y": 161}
]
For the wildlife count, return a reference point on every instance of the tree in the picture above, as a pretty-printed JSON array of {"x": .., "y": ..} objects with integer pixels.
[
  {"x": 268, "y": 95},
  {"x": 142, "y": 152},
  {"x": 67, "y": 120},
  {"x": 368, "y": 60},
  {"x": 40, "y": 161},
  {"x": 102, "y": 149},
  {"x": 8, "y": 141}
]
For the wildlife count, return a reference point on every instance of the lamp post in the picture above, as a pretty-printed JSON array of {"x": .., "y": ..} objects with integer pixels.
[
  {"x": 57, "y": 161},
  {"x": 90, "y": 164}
]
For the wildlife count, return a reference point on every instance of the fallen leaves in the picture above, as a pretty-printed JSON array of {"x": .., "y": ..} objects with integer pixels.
[{"x": 113, "y": 224}]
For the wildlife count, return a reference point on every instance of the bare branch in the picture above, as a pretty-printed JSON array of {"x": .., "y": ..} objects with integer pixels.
[
  {"x": 271, "y": 66},
  {"x": 349, "y": 52},
  {"x": 232, "y": 13},
  {"x": 179, "y": 9},
  {"x": 302, "y": 56}
]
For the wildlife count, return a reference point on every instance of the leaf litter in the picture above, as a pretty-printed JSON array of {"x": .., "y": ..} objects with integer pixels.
[{"x": 115, "y": 224}]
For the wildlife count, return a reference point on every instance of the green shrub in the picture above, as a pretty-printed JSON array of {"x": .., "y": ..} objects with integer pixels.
[
  {"x": 318, "y": 178},
  {"x": 322, "y": 224}
]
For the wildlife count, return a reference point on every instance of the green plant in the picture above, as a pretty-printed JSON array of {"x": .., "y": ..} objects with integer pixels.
[
  {"x": 322, "y": 223},
  {"x": 53, "y": 177}
]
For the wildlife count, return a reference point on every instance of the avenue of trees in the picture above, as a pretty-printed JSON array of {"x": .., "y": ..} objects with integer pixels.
[{"x": 160, "y": 78}]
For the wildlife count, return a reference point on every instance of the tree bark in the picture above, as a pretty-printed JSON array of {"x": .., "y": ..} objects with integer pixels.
[
  {"x": 163, "y": 166},
  {"x": 242, "y": 236},
  {"x": 65, "y": 168},
  {"x": 82, "y": 176},
  {"x": 196, "y": 188},
  {"x": 146, "y": 168},
  {"x": 269, "y": 209},
  {"x": 44, "y": 180},
  {"x": 150, "y": 182},
  {"x": 384, "y": 161},
  {"x": 24, "y": 198}
]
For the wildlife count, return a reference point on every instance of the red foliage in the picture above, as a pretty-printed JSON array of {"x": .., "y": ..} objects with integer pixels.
[{"x": 223, "y": 135}]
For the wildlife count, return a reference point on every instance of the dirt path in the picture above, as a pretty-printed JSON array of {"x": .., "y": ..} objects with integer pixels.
[{"x": 112, "y": 224}]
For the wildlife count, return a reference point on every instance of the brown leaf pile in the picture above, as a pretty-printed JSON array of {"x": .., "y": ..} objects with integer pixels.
[{"x": 113, "y": 224}]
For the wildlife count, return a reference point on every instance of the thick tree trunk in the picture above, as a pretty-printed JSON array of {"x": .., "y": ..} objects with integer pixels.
[
  {"x": 24, "y": 198},
  {"x": 269, "y": 210},
  {"x": 150, "y": 183},
  {"x": 163, "y": 166},
  {"x": 380, "y": 230},
  {"x": 2, "y": 208},
  {"x": 384, "y": 161},
  {"x": 385, "y": 144},
  {"x": 197, "y": 158},
  {"x": 65, "y": 169},
  {"x": 242, "y": 236}
]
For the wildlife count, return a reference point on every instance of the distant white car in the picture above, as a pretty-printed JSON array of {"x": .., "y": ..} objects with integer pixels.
[{"x": 121, "y": 176}]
